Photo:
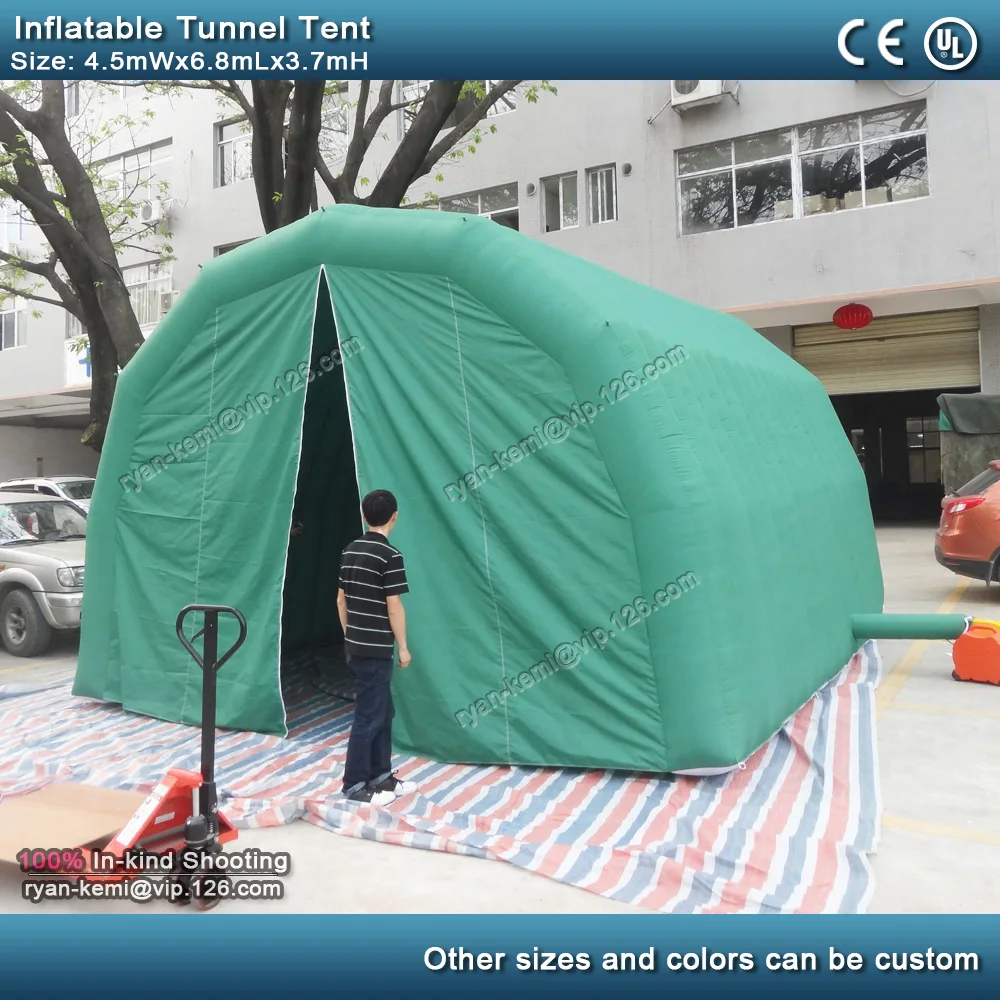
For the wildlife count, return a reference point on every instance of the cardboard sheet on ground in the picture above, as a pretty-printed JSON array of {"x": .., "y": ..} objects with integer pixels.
[{"x": 63, "y": 816}]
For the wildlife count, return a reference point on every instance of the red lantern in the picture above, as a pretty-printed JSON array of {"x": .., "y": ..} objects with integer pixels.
[{"x": 852, "y": 316}]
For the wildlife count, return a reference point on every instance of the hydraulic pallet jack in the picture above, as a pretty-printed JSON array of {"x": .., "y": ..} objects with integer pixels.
[
  {"x": 175, "y": 833},
  {"x": 187, "y": 800}
]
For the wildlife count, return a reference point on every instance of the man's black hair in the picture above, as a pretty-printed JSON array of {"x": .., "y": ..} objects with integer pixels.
[{"x": 378, "y": 508}]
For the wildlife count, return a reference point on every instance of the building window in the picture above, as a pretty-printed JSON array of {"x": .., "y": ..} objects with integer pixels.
[
  {"x": 74, "y": 328},
  {"x": 560, "y": 202},
  {"x": 829, "y": 166},
  {"x": 233, "y": 152},
  {"x": 150, "y": 288},
  {"x": 496, "y": 203},
  {"x": 413, "y": 91},
  {"x": 136, "y": 175},
  {"x": 12, "y": 332},
  {"x": 71, "y": 94},
  {"x": 858, "y": 443},
  {"x": 226, "y": 247},
  {"x": 602, "y": 194},
  {"x": 12, "y": 224},
  {"x": 924, "y": 447}
]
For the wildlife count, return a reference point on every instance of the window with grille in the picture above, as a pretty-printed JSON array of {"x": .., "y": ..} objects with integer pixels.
[{"x": 602, "y": 195}]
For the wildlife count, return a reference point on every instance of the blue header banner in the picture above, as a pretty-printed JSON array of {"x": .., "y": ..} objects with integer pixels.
[
  {"x": 523, "y": 39},
  {"x": 523, "y": 956}
]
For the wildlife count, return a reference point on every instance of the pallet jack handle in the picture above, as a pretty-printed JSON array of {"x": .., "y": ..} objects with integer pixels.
[
  {"x": 210, "y": 663},
  {"x": 211, "y": 632}
]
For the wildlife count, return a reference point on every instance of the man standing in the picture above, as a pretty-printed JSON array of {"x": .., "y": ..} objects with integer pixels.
[{"x": 372, "y": 578}]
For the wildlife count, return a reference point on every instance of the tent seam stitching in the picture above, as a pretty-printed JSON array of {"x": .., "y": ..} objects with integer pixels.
[
  {"x": 482, "y": 515},
  {"x": 204, "y": 478}
]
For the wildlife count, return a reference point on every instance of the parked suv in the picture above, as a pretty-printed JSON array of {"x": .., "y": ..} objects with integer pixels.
[
  {"x": 42, "y": 542},
  {"x": 77, "y": 489}
]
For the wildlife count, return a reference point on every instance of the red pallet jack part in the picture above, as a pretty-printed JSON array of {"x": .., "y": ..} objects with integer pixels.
[
  {"x": 158, "y": 826},
  {"x": 976, "y": 653}
]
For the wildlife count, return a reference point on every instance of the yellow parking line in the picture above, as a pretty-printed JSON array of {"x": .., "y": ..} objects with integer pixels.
[
  {"x": 972, "y": 713},
  {"x": 971, "y": 834},
  {"x": 34, "y": 665},
  {"x": 893, "y": 683}
]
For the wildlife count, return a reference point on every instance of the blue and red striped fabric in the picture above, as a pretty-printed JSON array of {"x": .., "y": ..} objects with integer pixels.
[{"x": 790, "y": 832}]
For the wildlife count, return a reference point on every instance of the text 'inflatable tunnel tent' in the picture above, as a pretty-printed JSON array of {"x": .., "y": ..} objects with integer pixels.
[{"x": 634, "y": 530}]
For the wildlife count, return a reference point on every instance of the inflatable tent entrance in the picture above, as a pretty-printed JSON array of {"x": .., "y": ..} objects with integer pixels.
[{"x": 550, "y": 500}]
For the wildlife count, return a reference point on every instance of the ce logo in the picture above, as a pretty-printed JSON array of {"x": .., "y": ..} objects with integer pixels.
[{"x": 885, "y": 41}]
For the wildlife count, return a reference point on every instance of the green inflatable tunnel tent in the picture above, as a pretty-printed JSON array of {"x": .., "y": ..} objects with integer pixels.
[{"x": 634, "y": 530}]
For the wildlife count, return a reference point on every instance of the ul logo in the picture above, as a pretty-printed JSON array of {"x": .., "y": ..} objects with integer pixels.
[{"x": 950, "y": 43}]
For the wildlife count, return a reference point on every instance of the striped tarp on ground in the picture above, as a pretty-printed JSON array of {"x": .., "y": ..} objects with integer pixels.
[{"x": 788, "y": 833}]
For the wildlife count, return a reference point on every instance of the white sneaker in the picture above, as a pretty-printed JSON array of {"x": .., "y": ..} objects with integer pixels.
[
  {"x": 375, "y": 798},
  {"x": 396, "y": 786}
]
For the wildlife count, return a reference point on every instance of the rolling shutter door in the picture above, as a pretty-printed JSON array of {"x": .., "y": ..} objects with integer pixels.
[{"x": 937, "y": 350}]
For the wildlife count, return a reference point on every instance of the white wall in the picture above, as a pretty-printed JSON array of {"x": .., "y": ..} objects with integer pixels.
[{"x": 60, "y": 451}]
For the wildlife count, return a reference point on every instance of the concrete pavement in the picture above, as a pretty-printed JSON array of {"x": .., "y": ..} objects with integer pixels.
[{"x": 939, "y": 750}]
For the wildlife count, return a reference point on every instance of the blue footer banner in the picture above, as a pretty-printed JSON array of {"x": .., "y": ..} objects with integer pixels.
[{"x": 523, "y": 956}]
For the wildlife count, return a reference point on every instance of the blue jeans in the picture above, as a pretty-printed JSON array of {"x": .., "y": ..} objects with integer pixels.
[{"x": 369, "y": 748}]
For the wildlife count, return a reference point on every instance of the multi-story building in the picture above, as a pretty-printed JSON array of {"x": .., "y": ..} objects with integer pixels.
[{"x": 777, "y": 202}]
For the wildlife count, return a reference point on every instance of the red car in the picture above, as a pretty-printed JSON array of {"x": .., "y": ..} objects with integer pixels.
[{"x": 968, "y": 537}]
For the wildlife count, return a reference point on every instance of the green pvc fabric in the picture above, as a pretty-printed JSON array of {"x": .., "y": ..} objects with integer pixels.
[{"x": 634, "y": 530}]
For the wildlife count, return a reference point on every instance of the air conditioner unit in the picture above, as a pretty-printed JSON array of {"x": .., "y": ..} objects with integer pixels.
[
  {"x": 152, "y": 211},
  {"x": 167, "y": 299},
  {"x": 690, "y": 93}
]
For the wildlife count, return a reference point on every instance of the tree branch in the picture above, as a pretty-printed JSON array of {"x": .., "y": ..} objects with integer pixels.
[
  {"x": 20, "y": 293},
  {"x": 15, "y": 110},
  {"x": 67, "y": 297},
  {"x": 31, "y": 266},
  {"x": 466, "y": 125},
  {"x": 333, "y": 184}
]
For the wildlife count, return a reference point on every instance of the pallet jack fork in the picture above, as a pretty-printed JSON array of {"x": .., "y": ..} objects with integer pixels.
[{"x": 180, "y": 819}]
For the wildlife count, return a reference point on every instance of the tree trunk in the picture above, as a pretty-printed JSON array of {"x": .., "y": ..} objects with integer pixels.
[
  {"x": 103, "y": 380},
  {"x": 301, "y": 143},
  {"x": 270, "y": 100},
  {"x": 440, "y": 101}
]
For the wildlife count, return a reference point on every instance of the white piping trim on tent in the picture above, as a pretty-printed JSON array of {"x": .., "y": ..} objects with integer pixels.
[
  {"x": 204, "y": 478},
  {"x": 482, "y": 515},
  {"x": 288, "y": 533},
  {"x": 347, "y": 389}
]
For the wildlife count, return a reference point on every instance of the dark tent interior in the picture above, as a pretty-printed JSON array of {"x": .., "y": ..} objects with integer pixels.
[{"x": 327, "y": 507}]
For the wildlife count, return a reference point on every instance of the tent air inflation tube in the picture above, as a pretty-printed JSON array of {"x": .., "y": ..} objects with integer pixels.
[{"x": 909, "y": 626}]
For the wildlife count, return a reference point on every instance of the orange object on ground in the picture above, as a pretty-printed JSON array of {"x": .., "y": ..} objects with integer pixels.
[{"x": 976, "y": 653}]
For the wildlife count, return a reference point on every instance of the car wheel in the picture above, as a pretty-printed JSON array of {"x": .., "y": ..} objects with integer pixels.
[{"x": 23, "y": 628}]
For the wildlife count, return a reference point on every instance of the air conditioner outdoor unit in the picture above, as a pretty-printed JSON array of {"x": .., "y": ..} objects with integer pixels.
[
  {"x": 690, "y": 93},
  {"x": 167, "y": 299},
  {"x": 152, "y": 211}
]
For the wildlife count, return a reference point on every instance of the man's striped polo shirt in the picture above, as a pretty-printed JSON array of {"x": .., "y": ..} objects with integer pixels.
[{"x": 370, "y": 570}]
